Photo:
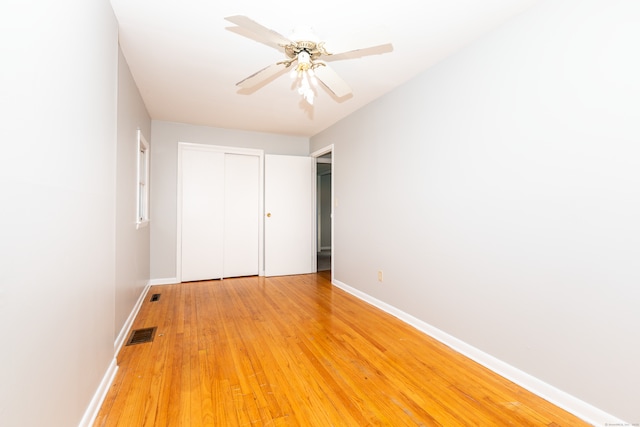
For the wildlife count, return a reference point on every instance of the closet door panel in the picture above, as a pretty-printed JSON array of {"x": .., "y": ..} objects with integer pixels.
[
  {"x": 202, "y": 214},
  {"x": 241, "y": 215}
]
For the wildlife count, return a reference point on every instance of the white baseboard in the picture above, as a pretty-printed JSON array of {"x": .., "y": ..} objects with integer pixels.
[
  {"x": 124, "y": 332},
  {"x": 92, "y": 410},
  {"x": 165, "y": 281},
  {"x": 572, "y": 404},
  {"x": 94, "y": 407}
]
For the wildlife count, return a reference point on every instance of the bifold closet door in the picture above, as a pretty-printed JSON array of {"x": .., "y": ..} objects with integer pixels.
[
  {"x": 241, "y": 215},
  {"x": 202, "y": 214}
]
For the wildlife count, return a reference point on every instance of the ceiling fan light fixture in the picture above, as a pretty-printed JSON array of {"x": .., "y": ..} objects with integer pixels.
[
  {"x": 306, "y": 81},
  {"x": 304, "y": 61}
]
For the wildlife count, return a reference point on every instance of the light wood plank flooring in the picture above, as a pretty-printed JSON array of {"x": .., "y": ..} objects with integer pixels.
[{"x": 294, "y": 350}]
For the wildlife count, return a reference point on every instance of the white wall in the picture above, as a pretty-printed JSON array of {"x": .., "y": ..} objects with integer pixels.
[
  {"x": 132, "y": 245},
  {"x": 500, "y": 193},
  {"x": 164, "y": 161},
  {"x": 57, "y": 181}
]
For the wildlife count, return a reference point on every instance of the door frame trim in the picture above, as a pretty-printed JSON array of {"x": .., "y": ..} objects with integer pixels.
[
  {"x": 321, "y": 152},
  {"x": 227, "y": 150}
]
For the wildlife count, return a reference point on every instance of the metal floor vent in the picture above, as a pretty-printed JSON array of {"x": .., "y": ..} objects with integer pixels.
[
  {"x": 140, "y": 336},
  {"x": 154, "y": 297}
]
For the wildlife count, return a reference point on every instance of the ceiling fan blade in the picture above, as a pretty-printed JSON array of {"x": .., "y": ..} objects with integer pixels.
[
  {"x": 261, "y": 76},
  {"x": 264, "y": 34},
  {"x": 355, "y": 54},
  {"x": 332, "y": 81},
  {"x": 359, "y": 41}
]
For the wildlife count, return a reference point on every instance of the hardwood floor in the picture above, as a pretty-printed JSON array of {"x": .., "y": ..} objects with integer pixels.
[{"x": 296, "y": 351}]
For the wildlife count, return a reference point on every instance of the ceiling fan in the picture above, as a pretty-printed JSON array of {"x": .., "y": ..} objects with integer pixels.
[{"x": 306, "y": 53}]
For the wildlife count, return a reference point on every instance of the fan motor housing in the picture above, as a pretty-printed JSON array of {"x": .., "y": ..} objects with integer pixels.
[{"x": 315, "y": 50}]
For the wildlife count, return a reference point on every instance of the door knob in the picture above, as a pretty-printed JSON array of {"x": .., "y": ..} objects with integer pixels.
[{"x": 269, "y": 215}]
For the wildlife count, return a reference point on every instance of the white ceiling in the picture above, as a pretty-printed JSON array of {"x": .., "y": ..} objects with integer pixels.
[{"x": 186, "y": 62}]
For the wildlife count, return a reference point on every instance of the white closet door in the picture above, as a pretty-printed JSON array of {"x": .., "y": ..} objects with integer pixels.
[
  {"x": 202, "y": 214},
  {"x": 289, "y": 226},
  {"x": 241, "y": 215}
]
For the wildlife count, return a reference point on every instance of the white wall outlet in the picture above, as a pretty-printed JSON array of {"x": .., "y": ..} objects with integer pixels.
[{"x": 380, "y": 276}]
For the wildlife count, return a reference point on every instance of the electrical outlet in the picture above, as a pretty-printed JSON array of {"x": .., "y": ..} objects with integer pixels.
[{"x": 380, "y": 276}]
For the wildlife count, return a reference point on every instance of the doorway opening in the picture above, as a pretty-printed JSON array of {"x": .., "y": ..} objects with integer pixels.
[{"x": 324, "y": 210}]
